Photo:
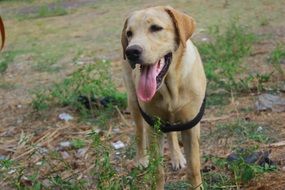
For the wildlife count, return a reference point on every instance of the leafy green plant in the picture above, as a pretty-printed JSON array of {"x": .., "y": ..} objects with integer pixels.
[
  {"x": 78, "y": 143},
  {"x": 252, "y": 83},
  {"x": 89, "y": 90},
  {"x": 233, "y": 174},
  {"x": 276, "y": 56},
  {"x": 243, "y": 171},
  {"x": 223, "y": 55},
  {"x": 6, "y": 58},
  {"x": 40, "y": 100},
  {"x": 217, "y": 180},
  {"x": 47, "y": 61},
  {"x": 107, "y": 177},
  {"x": 6, "y": 163},
  {"x": 104, "y": 172}
]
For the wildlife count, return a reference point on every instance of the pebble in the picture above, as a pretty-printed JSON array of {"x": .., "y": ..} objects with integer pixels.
[
  {"x": 65, "y": 144},
  {"x": 65, "y": 117},
  {"x": 65, "y": 155},
  {"x": 81, "y": 152},
  {"x": 119, "y": 144}
]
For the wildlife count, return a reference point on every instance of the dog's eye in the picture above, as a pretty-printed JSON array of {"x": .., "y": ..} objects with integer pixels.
[
  {"x": 155, "y": 28},
  {"x": 129, "y": 34}
]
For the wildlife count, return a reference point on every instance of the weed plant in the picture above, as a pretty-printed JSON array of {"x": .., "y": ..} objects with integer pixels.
[
  {"x": 223, "y": 56},
  {"x": 94, "y": 83}
]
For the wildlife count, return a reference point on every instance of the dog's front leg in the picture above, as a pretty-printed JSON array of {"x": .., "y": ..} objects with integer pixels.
[
  {"x": 191, "y": 140},
  {"x": 141, "y": 156},
  {"x": 177, "y": 159}
]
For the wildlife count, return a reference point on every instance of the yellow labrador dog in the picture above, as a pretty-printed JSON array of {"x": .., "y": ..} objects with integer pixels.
[{"x": 165, "y": 79}]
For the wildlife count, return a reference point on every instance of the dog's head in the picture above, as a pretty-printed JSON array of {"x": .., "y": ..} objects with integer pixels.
[{"x": 149, "y": 38}]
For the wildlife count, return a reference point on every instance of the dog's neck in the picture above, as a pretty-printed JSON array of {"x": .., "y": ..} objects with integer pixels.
[{"x": 180, "y": 74}]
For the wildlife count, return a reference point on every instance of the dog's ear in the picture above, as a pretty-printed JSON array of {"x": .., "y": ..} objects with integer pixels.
[
  {"x": 124, "y": 39},
  {"x": 2, "y": 31},
  {"x": 184, "y": 25}
]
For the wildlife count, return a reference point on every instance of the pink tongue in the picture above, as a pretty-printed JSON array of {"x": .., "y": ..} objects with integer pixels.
[{"x": 147, "y": 82}]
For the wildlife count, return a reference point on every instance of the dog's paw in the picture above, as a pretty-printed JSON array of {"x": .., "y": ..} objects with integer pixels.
[
  {"x": 178, "y": 161},
  {"x": 142, "y": 162}
]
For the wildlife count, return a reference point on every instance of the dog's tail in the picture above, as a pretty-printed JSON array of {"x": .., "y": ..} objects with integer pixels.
[{"x": 2, "y": 31}]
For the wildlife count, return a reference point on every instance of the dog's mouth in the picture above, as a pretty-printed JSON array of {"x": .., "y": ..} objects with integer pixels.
[{"x": 152, "y": 76}]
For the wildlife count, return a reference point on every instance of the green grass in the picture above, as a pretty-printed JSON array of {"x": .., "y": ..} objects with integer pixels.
[
  {"x": 45, "y": 62},
  {"x": 45, "y": 10},
  {"x": 177, "y": 186},
  {"x": 217, "y": 99},
  {"x": 242, "y": 131},
  {"x": 7, "y": 85}
]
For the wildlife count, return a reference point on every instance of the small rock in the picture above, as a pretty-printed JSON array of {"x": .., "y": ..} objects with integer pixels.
[
  {"x": 282, "y": 88},
  {"x": 65, "y": 144},
  {"x": 2, "y": 157},
  {"x": 19, "y": 121},
  {"x": 26, "y": 181},
  {"x": 81, "y": 152},
  {"x": 204, "y": 39},
  {"x": 9, "y": 132},
  {"x": 42, "y": 150},
  {"x": 65, "y": 117},
  {"x": 47, "y": 183},
  {"x": 259, "y": 129},
  {"x": 119, "y": 144},
  {"x": 12, "y": 171},
  {"x": 208, "y": 168},
  {"x": 116, "y": 130},
  {"x": 283, "y": 169},
  {"x": 39, "y": 163},
  {"x": 270, "y": 102},
  {"x": 65, "y": 155},
  {"x": 79, "y": 62}
]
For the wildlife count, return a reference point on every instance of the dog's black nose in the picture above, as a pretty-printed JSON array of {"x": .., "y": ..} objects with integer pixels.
[{"x": 134, "y": 52}]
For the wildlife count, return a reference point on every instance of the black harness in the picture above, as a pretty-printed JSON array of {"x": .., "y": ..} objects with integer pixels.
[{"x": 166, "y": 127}]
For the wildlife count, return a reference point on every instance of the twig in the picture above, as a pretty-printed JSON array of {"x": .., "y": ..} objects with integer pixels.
[
  {"x": 40, "y": 142},
  {"x": 123, "y": 118},
  {"x": 215, "y": 118},
  {"x": 278, "y": 144}
]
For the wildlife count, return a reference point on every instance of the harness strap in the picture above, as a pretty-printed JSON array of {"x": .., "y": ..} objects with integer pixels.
[{"x": 166, "y": 127}]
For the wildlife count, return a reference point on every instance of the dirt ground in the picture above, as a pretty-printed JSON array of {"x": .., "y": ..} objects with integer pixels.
[{"x": 91, "y": 30}]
